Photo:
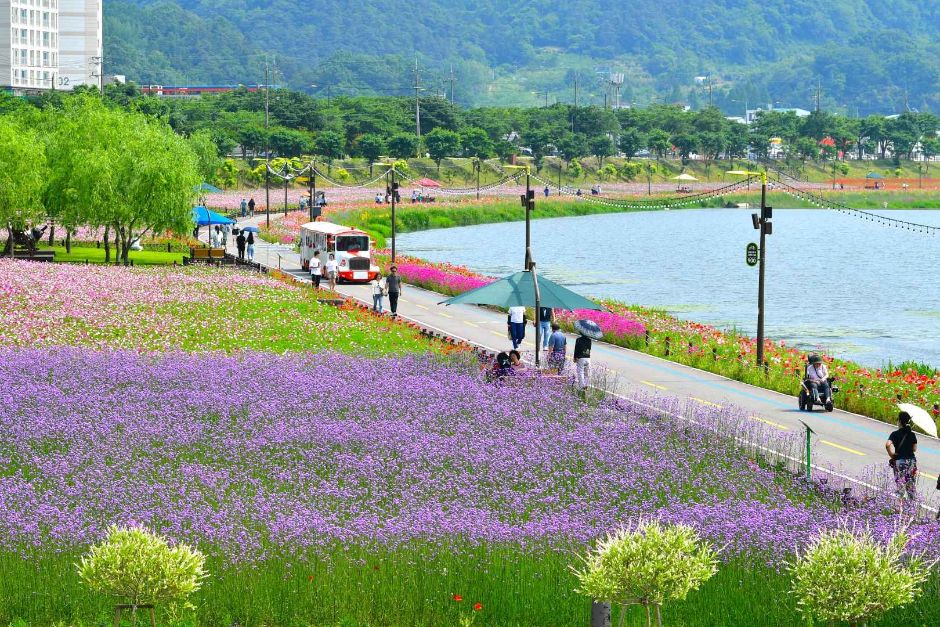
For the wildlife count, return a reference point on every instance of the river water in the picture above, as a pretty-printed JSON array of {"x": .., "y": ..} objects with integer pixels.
[{"x": 854, "y": 288}]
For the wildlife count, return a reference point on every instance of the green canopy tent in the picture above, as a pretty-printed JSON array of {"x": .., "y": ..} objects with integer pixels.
[{"x": 525, "y": 289}]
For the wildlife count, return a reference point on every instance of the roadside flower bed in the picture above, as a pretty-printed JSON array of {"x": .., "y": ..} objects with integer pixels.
[{"x": 871, "y": 392}]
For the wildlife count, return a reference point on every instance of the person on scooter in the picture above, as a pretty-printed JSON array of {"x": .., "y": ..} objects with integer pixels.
[{"x": 817, "y": 376}]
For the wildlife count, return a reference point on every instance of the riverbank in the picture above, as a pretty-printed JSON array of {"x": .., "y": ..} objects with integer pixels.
[{"x": 376, "y": 219}]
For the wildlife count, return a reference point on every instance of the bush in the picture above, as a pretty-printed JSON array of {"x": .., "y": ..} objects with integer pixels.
[
  {"x": 849, "y": 576},
  {"x": 139, "y": 566},
  {"x": 647, "y": 565}
]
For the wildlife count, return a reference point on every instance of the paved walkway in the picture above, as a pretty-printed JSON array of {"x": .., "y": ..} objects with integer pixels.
[{"x": 847, "y": 441}]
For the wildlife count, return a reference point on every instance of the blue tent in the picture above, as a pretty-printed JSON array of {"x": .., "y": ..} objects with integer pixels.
[{"x": 205, "y": 217}]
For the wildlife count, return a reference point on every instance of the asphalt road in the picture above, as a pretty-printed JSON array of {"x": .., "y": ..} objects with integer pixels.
[{"x": 850, "y": 443}]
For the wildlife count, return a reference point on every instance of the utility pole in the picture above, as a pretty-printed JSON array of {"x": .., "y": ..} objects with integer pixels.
[
  {"x": 98, "y": 74},
  {"x": 394, "y": 194},
  {"x": 574, "y": 112},
  {"x": 417, "y": 89},
  {"x": 267, "y": 164},
  {"x": 818, "y": 92},
  {"x": 453, "y": 80},
  {"x": 711, "y": 102}
]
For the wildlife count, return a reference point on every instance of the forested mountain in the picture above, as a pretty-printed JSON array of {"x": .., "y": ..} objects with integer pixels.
[{"x": 867, "y": 55}]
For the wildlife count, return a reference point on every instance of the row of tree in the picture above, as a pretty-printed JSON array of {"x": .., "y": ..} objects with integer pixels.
[
  {"x": 88, "y": 164},
  {"x": 369, "y": 127}
]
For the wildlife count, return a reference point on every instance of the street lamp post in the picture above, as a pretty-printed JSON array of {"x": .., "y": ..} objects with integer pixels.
[
  {"x": 763, "y": 223},
  {"x": 528, "y": 202},
  {"x": 312, "y": 186}
]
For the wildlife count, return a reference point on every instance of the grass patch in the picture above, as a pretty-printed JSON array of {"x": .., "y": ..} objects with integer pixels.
[{"x": 96, "y": 255}]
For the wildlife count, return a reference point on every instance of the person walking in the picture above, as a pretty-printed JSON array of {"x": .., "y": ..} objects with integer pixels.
[
  {"x": 547, "y": 191},
  {"x": 557, "y": 345},
  {"x": 250, "y": 245},
  {"x": 516, "y": 321},
  {"x": 251, "y": 208},
  {"x": 582, "y": 361},
  {"x": 226, "y": 229},
  {"x": 244, "y": 207},
  {"x": 901, "y": 447},
  {"x": 240, "y": 244},
  {"x": 331, "y": 268},
  {"x": 393, "y": 289},
  {"x": 378, "y": 292},
  {"x": 546, "y": 317},
  {"x": 316, "y": 269}
]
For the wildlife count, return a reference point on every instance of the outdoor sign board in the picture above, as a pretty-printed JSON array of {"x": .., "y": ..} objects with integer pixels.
[{"x": 753, "y": 256}]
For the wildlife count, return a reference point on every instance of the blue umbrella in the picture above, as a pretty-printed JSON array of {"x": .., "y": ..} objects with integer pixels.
[
  {"x": 203, "y": 217},
  {"x": 251, "y": 229},
  {"x": 589, "y": 328}
]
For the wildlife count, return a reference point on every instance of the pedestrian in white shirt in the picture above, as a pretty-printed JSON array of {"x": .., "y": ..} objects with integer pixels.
[
  {"x": 516, "y": 321},
  {"x": 378, "y": 293},
  {"x": 316, "y": 269},
  {"x": 331, "y": 269}
]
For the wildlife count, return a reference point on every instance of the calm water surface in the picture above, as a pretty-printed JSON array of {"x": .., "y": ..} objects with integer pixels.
[{"x": 851, "y": 287}]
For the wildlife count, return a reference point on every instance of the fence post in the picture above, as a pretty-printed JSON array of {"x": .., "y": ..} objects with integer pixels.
[
  {"x": 809, "y": 462},
  {"x": 600, "y": 614},
  {"x": 667, "y": 346}
]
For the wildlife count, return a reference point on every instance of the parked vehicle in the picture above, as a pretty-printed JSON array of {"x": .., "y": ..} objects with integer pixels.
[{"x": 351, "y": 247}]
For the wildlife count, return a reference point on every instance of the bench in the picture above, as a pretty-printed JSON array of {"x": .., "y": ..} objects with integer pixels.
[
  {"x": 208, "y": 255},
  {"x": 35, "y": 255}
]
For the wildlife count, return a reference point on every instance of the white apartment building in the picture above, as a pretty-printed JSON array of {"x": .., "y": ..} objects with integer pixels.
[
  {"x": 49, "y": 44},
  {"x": 81, "y": 40}
]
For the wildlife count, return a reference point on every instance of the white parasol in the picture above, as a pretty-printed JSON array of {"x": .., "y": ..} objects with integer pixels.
[{"x": 920, "y": 417}]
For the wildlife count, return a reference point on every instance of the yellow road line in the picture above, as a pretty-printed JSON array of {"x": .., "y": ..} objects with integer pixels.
[
  {"x": 704, "y": 402},
  {"x": 421, "y": 306},
  {"x": 446, "y": 315},
  {"x": 653, "y": 385},
  {"x": 842, "y": 448},
  {"x": 498, "y": 334},
  {"x": 472, "y": 324},
  {"x": 771, "y": 423},
  {"x": 929, "y": 476}
]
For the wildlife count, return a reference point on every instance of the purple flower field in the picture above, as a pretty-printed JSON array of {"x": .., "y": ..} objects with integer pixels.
[{"x": 257, "y": 454}]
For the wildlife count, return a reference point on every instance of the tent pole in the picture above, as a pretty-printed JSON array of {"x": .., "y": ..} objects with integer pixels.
[{"x": 538, "y": 305}]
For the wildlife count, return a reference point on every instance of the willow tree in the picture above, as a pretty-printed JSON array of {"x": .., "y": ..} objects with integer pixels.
[
  {"x": 121, "y": 171},
  {"x": 22, "y": 176}
]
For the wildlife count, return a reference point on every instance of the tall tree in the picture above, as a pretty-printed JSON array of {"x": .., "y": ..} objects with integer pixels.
[
  {"x": 632, "y": 141},
  {"x": 22, "y": 176},
  {"x": 442, "y": 143},
  {"x": 331, "y": 146},
  {"x": 371, "y": 146}
]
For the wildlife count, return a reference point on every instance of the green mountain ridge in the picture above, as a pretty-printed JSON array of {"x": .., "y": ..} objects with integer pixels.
[{"x": 867, "y": 55}]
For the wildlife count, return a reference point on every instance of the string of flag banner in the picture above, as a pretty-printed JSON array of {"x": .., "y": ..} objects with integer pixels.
[
  {"x": 826, "y": 203},
  {"x": 289, "y": 173}
]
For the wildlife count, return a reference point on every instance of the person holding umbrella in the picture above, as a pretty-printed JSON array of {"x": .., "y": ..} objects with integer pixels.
[
  {"x": 901, "y": 447},
  {"x": 588, "y": 330}
]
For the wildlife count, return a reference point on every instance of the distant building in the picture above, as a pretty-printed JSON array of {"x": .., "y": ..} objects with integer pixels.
[
  {"x": 49, "y": 44},
  {"x": 194, "y": 91},
  {"x": 751, "y": 114}
]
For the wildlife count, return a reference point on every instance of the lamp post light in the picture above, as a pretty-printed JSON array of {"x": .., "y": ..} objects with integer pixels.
[
  {"x": 393, "y": 188},
  {"x": 763, "y": 223},
  {"x": 528, "y": 202}
]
